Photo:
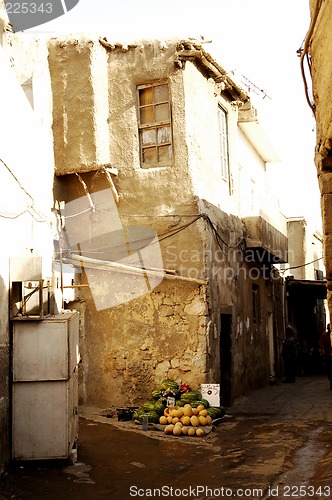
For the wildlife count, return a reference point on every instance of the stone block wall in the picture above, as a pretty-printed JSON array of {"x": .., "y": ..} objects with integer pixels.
[{"x": 320, "y": 50}]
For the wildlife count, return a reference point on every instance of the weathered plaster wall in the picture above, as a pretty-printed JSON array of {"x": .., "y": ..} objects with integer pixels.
[
  {"x": 153, "y": 62},
  {"x": 112, "y": 330},
  {"x": 321, "y": 52},
  {"x": 250, "y": 340},
  {"x": 131, "y": 349},
  {"x": 231, "y": 278},
  {"x": 80, "y": 112}
]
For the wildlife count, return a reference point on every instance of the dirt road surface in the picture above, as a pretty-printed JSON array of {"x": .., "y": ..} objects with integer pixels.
[{"x": 275, "y": 443}]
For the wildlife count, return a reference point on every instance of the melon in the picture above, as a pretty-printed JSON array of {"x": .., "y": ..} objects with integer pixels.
[
  {"x": 169, "y": 429},
  {"x": 194, "y": 421},
  {"x": 186, "y": 420},
  {"x": 187, "y": 410},
  {"x": 177, "y": 431},
  {"x": 208, "y": 420},
  {"x": 202, "y": 420}
]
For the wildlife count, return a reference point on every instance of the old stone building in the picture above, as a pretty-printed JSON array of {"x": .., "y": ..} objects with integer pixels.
[
  {"x": 159, "y": 225},
  {"x": 318, "y": 46},
  {"x": 163, "y": 232},
  {"x": 168, "y": 227}
]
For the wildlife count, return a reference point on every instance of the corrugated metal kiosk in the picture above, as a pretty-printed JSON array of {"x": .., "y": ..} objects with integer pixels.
[{"x": 45, "y": 387}]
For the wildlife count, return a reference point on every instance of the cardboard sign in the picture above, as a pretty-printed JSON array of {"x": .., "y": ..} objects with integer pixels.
[
  {"x": 170, "y": 402},
  {"x": 211, "y": 392}
]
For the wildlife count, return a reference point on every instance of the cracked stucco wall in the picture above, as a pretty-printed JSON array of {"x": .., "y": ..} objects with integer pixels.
[{"x": 161, "y": 335}]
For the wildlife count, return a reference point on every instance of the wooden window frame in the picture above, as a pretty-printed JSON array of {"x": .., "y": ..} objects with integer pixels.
[
  {"x": 157, "y": 126},
  {"x": 223, "y": 142}
]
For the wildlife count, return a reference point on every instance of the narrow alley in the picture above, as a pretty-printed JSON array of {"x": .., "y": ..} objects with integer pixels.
[{"x": 273, "y": 443}]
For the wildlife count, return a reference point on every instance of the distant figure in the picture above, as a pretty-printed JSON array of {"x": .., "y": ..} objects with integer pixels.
[
  {"x": 325, "y": 343},
  {"x": 289, "y": 355}
]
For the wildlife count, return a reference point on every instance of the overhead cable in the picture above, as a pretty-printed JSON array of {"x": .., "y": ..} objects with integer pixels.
[
  {"x": 30, "y": 208},
  {"x": 304, "y": 54},
  {"x": 302, "y": 265}
]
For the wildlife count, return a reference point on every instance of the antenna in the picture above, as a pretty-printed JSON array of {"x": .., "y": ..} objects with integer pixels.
[{"x": 252, "y": 87}]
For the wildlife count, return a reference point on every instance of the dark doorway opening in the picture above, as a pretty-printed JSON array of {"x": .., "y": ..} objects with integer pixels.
[
  {"x": 226, "y": 359},
  {"x": 306, "y": 313}
]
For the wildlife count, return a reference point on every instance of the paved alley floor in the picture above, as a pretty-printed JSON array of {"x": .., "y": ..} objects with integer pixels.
[{"x": 275, "y": 442}]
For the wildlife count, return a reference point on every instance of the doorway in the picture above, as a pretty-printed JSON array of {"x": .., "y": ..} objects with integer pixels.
[
  {"x": 271, "y": 347},
  {"x": 306, "y": 312},
  {"x": 226, "y": 359}
]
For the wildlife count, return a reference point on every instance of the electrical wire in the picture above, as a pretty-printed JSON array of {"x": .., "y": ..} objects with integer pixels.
[
  {"x": 16, "y": 179},
  {"x": 161, "y": 237},
  {"x": 30, "y": 208},
  {"x": 220, "y": 241},
  {"x": 8, "y": 215},
  {"x": 168, "y": 234},
  {"x": 304, "y": 54},
  {"x": 78, "y": 213},
  {"x": 302, "y": 265}
]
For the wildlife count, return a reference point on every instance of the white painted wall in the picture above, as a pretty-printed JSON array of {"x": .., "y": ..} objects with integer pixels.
[
  {"x": 26, "y": 160},
  {"x": 248, "y": 193},
  {"x": 26, "y": 182}
]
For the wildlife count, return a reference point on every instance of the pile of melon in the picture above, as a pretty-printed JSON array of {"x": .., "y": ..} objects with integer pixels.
[{"x": 185, "y": 420}]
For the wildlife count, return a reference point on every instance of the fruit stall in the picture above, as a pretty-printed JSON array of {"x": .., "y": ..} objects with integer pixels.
[{"x": 178, "y": 410}]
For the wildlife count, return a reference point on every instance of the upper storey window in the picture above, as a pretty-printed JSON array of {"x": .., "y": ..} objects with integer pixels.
[
  {"x": 223, "y": 141},
  {"x": 155, "y": 127}
]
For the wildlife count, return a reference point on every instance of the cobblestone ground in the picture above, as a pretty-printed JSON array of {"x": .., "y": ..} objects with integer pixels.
[{"x": 273, "y": 443}]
